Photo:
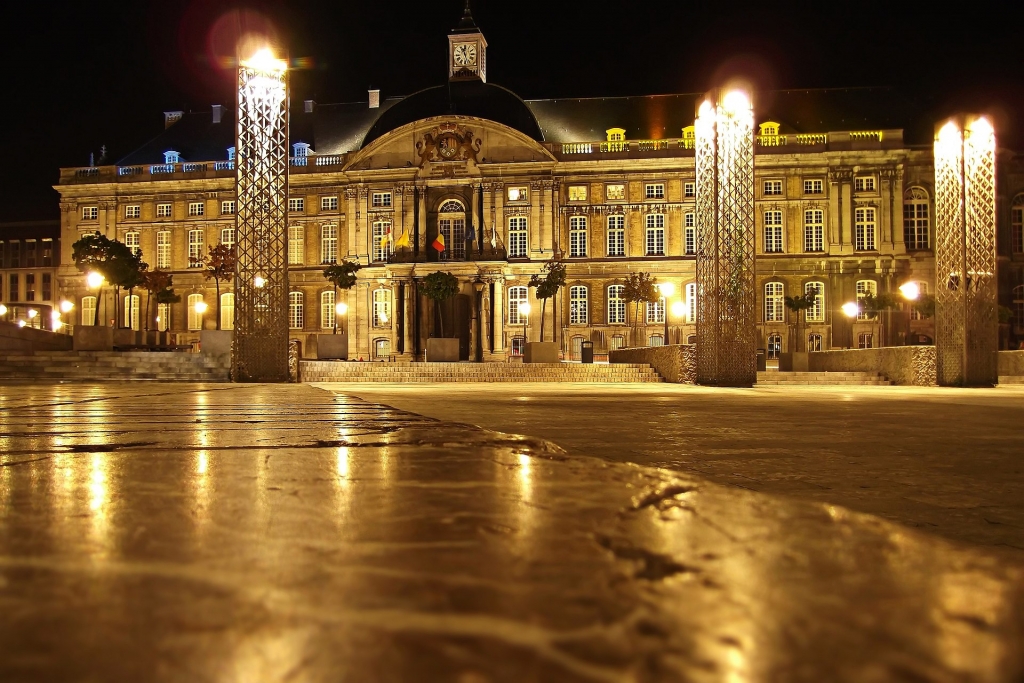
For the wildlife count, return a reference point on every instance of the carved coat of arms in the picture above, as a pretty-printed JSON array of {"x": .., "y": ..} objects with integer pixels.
[{"x": 448, "y": 142}]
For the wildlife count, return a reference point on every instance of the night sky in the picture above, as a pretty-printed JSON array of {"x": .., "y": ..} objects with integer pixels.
[{"x": 82, "y": 75}]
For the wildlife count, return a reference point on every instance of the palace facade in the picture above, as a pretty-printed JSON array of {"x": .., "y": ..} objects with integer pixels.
[{"x": 845, "y": 208}]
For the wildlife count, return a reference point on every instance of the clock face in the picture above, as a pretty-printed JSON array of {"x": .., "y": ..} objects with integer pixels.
[{"x": 465, "y": 54}]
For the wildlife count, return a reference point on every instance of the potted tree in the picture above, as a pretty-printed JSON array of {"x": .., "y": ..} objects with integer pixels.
[
  {"x": 154, "y": 282},
  {"x": 219, "y": 266},
  {"x": 93, "y": 254},
  {"x": 334, "y": 345},
  {"x": 440, "y": 288},
  {"x": 124, "y": 271},
  {"x": 639, "y": 288},
  {"x": 797, "y": 360},
  {"x": 547, "y": 286}
]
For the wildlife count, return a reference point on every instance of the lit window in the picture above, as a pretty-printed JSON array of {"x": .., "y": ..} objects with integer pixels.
[
  {"x": 329, "y": 244},
  {"x": 90, "y": 213},
  {"x": 196, "y": 209},
  {"x": 814, "y": 342},
  {"x": 452, "y": 224},
  {"x": 296, "y": 204},
  {"x": 163, "y": 317},
  {"x": 300, "y": 150},
  {"x": 579, "y": 313},
  {"x": 381, "y": 200},
  {"x": 690, "y": 234},
  {"x": 691, "y": 302},
  {"x": 816, "y": 313},
  {"x": 517, "y": 237},
  {"x": 227, "y": 311},
  {"x": 133, "y": 211},
  {"x": 382, "y": 348},
  {"x": 814, "y": 230},
  {"x": 195, "y": 318},
  {"x": 131, "y": 311},
  {"x": 865, "y": 288},
  {"x": 382, "y": 307},
  {"x": 655, "y": 234},
  {"x": 774, "y": 346},
  {"x": 915, "y": 218},
  {"x": 617, "y": 235},
  {"x": 131, "y": 240},
  {"x": 516, "y": 296},
  {"x": 88, "y": 310},
  {"x": 654, "y": 191},
  {"x": 616, "y": 305},
  {"x": 865, "y": 340},
  {"x": 327, "y": 312},
  {"x": 922, "y": 289},
  {"x": 814, "y": 186},
  {"x": 864, "y": 183},
  {"x": 518, "y": 193},
  {"x": 329, "y": 203},
  {"x": 195, "y": 248},
  {"x": 577, "y": 193},
  {"x": 296, "y": 245},
  {"x": 171, "y": 157},
  {"x": 772, "y": 188},
  {"x": 517, "y": 345},
  {"x": 163, "y": 249},
  {"x": 773, "y": 232},
  {"x": 656, "y": 311},
  {"x": 773, "y": 302},
  {"x": 382, "y": 241},
  {"x": 296, "y": 319},
  {"x": 864, "y": 229},
  {"x": 577, "y": 236},
  {"x": 689, "y": 190},
  {"x": 227, "y": 207},
  {"x": 47, "y": 253},
  {"x": 163, "y": 210},
  {"x": 227, "y": 237},
  {"x": 618, "y": 341},
  {"x": 656, "y": 340},
  {"x": 1017, "y": 225},
  {"x": 615, "y": 192},
  {"x": 231, "y": 153}
]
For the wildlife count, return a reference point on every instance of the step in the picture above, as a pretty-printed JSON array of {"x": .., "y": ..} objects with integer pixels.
[
  {"x": 782, "y": 378},
  {"x": 1011, "y": 380},
  {"x": 340, "y": 371}
]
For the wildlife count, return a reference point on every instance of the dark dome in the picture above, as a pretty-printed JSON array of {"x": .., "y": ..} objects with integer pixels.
[{"x": 462, "y": 98}]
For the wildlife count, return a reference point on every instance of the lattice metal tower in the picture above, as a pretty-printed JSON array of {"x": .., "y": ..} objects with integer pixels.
[
  {"x": 726, "y": 296},
  {"x": 260, "y": 352},
  {"x": 966, "y": 291}
]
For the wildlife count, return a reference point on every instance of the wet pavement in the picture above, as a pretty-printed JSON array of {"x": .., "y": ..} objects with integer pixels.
[
  {"x": 945, "y": 461},
  {"x": 284, "y": 533}
]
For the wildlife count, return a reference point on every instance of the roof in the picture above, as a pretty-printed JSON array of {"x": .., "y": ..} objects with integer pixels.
[{"x": 20, "y": 230}]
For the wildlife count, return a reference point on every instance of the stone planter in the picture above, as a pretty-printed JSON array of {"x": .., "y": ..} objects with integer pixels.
[
  {"x": 93, "y": 338},
  {"x": 541, "y": 352},
  {"x": 442, "y": 350},
  {"x": 332, "y": 346},
  {"x": 216, "y": 343},
  {"x": 126, "y": 337},
  {"x": 793, "y": 362}
]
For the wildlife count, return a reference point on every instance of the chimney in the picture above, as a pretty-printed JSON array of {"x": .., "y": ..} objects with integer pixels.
[
  {"x": 375, "y": 99},
  {"x": 218, "y": 112},
  {"x": 172, "y": 117},
  {"x": 308, "y": 106}
]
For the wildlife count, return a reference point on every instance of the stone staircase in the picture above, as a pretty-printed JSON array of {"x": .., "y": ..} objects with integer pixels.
[
  {"x": 110, "y": 366},
  {"x": 416, "y": 373},
  {"x": 776, "y": 378}
]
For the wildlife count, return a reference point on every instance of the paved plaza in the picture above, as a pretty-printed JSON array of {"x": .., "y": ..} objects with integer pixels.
[
  {"x": 946, "y": 461},
  {"x": 159, "y": 532}
]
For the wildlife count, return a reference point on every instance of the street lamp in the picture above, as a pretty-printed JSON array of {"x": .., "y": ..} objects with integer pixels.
[
  {"x": 340, "y": 309},
  {"x": 3, "y": 310},
  {"x": 851, "y": 309},
  {"x": 910, "y": 291},
  {"x": 200, "y": 307},
  {"x": 667, "y": 289},
  {"x": 94, "y": 280},
  {"x": 524, "y": 312},
  {"x": 65, "y": 307}
]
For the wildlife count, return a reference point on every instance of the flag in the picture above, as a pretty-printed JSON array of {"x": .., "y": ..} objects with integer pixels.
[
  {"x": 439, "y": 243},
  {"x": 402, "y": 241},
  {"x": 384, "y": 240},
  {"x": 494, "y": 237},
  {"x": 471, "y": 234}
]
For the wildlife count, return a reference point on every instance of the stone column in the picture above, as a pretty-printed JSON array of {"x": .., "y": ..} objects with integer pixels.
[
  {"x": 485, "y": 317},
  {"x": 474, "y": 220},
  {"x": 535, "y": 221},
  {"x": 499, "y": 315},
  {"x": 422, "y": 241},
  {"x": 409, "y": 326},
  {"x": 350, "y": 220},
  {"x": 487, "y": 219},
  {"x": 546, "y": 205},
  {"x": 362, "y": 233}
]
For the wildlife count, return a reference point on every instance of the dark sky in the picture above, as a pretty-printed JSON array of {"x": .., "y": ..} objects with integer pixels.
[{"x": 86, "y": 74}]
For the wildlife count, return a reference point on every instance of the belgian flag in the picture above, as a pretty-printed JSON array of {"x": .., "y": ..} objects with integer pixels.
[{"x": 439, "y": 243}]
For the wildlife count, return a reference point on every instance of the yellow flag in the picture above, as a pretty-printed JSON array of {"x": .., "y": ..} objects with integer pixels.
[
  {"x": 403, "y": 241},
  {"x": 384, "y": 240}
]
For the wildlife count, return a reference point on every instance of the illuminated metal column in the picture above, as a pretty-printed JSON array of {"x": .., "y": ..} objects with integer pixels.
[
  {"x": 726, "y": 297},
  {"x": 260, "y": 352},
  {"x": 966, "y": 311}
]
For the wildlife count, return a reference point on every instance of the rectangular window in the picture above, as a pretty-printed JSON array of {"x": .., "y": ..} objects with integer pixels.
[
  {"x": 517, "y": 237},
  {"x": 163, "y": 250},
  {"x": 814, "y": 230},
  {"x": 864, "y": 229},
  {"x": 329, "y": 244},
  {"x": 30, "y": 286},
  {"x": 773, "y": 232},
  {"x": 774, "y": 302},
  {"x": 1017, "y": 232},
  {"x": 227, "y": 237},
  {"x": 772, "y": 188},
  {"x": 654, "y": 191},
  {"x": 131, "y": 240},
  {"x": 163, "y": 210},
  {"x": 195, "y": 248},
  {"x": 577, "y": 236},
  {"x": 163, "y": 316},
  {"x": 329, "y": 203},
  {"x": 689, "y": 234},
  {"x": 689, "y": 190},
  {"x": 516, "y": 296},
  {"x": 90, "y": 213},
  {"x": 816, "y": 313},
  {"x": 655, "y": 234},
  {"x": 616, "y": 305},
  {"x": 296, "y": 318},
  {"x": 227, "y": 311},
  {"x": 15, "y": 254},
  {"x": 865, "y": 288},
  {"x": 922, "y": 289},
  {"x": 865, "y": 340},
  {"x": 30, "y": 253},
  {"x": 381, "y": 308},
  {"x": 296, "y": 204},
  {"x": 382, "y": 241},
  {"x": 47, "y": 253},
  {"x": 3, "y": 264},
  {"x": 296, "y": 245},
  {"x": 617, "y": 235},
  {"x": 577, "y": 193},
  {"x": 196, "y": 209},
  {"x": 615, "y": 192},
  {"x": 381, "y": 200},
  {"x": 578, "y": 310},
  {"x": 518, "y": 193},
  {"x": 814, "y": 186},
  {"x": 133, "y": 211},
  {"x": 227, "y": 207},
  {"x": 864, "y": 183},
  {"x": 12, "y": 290},
  {"x": 915, "y": 224}
]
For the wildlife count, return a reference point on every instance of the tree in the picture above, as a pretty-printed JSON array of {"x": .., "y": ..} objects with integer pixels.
[
  {"x": 873, "y": 304},
  {"x": 342, "y": 276},
  {"x": 167, "y": 296},
  {"x": 154, "y": 282},
  {"x": 926, "y": 306},
  {"x": 639, "y": 288},
  {"x": 113, "y": 260},
  {"x": 548, "y": 286},
  {"x": 799, "y": 305},
  {"x": 125, "y": 272},
  {"x": 220, "y": 267},
  {"x": 440, "y": 287}
]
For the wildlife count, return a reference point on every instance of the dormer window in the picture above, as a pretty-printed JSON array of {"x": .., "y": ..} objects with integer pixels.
[
  {"x": 231, "y": 153},
  {"x": 616, "y": 139},
  {"x": 300, "y": 149},
  {"x": 769, "y": 128},
  {"x": 172, "y": 157}
]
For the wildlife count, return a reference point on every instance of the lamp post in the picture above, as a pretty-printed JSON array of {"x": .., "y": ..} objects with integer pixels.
[
  {"x": 851, "y": 309},
  {"x": 524, "y": 313},
  {"x": 94, "y": 281},
  {"x": 680, "y": 311},
  {"x": 667, "y": 289},
  {"x": 3, "y": 311},
  {"x": 200, "y": 308},
  {"x": 65, "y": 308}
]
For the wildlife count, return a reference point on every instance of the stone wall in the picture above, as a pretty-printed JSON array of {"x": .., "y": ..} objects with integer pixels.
[
  {"x": 14, "y": 338},
  {"x": 903, "y": 365},
  {"x": 676, "y": 363},
  {"x": 1011, "y": 363}
]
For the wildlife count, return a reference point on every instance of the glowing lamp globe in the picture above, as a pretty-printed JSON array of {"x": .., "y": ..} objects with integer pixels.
[
  {"x": 66, "y": 306},
  {"x": 341, "y": 308},
  {"x": 201, "y": 307},
  {"x": 32, "y": 313},
  {"x": 667, "y": 289},
  {"x": 3, "y": 310},
  {"x": 94, "y": 280},
  {"x": 851, "y": 309},
  {"x": 910, "y": 291},
  {"x": 680, "y": 309},
  {"x": 259, "y": 282},
  {"x": 524, "y": 308}
]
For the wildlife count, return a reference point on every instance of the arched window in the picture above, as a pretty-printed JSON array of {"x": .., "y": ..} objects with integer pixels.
[
  {"x": 195, "y": 318},
  {"x": 296, "y": 314},
  {"x": 1017, "y": 224},
  {"x": 382, "y": 348},
  {"x": 773, "y": 232},
  {"x": 451, "y": 222},
  {"x": 1018, "y": 307},
  {"x": 296, "y": 245},
  {"x": 382, "y": 241},
  {"x": 327, "y": 312},
  {"x": 88, "y": 310},
  {"x": 579, "y": 312},
  {"x": 516, "y": 296},
  {"x": 774, "y": 302},
  {"x": 656, "y": 340},
  {"x": 382, "y": 307},
  {"x": 617, "y": 342},
  {"x": 816, "y": 313},
  {"x": 814, "y": 342},
  {"x": 163, "y": 317},
  {"x": 227, "y": 311},
  {"x": 865, "y": 288},
  {"x": 692, "y": 339},
  {"x": 915, "y": 218},
  {"x": 227, "y": 237},
  {"x": 577, "y": 236},
  {"x": 616, "y": 305},
  {"x": 774, "y": 346},
  {"x": 814, "y": 230},
  {"x": 656, "y": 311},
  {"x": 691, "y": 302},
  {"x": 865, "y": 340},
  {"x": 517, "y": 242},
  {"x": 131, "y": 311},
  {"x": 616, "y": 235},
  {"x": 577, "y": 347}
]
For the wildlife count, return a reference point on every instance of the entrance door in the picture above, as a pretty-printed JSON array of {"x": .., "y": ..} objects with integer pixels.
[{"x": 774, "y": 346}]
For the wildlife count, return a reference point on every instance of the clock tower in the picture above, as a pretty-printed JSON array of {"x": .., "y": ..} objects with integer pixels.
[{"x": 467, "y": 51}]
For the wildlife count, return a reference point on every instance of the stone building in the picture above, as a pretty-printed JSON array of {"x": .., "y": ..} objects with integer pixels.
[
  {"x": 606, "y": 184},
  {"x": 29, "y": 260}
]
